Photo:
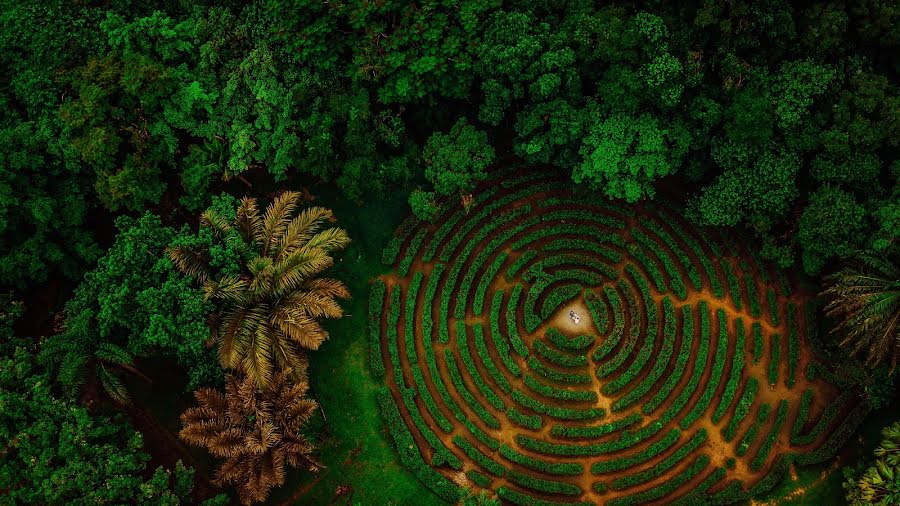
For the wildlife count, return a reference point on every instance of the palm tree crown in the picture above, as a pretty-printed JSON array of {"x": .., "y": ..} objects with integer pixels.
[
  {"x": 270, "y": 310},
  {"x": 257, "y": 432},
  {"x": 865, "y": 298}
]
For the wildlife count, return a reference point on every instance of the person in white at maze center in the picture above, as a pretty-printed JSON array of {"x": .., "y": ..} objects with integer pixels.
[{"x": 574, "y": 316}]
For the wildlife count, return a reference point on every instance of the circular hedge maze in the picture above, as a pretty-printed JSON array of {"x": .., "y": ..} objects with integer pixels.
[{"x": 551, "y": 348}]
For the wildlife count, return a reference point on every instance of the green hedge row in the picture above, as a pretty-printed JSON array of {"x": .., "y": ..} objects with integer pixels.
[
  {"x": 564, "y": 229},
  {"x": 793, "y": 344},
  {"x": 411, "y": 252},
  {"x": 412, "y": 357},
  {"x": 555, "y": 374},
  {"x": 392, "y": 249},
  {"x": 519, "y": 263},
  {"x": 572, "y": 450},
  {"x": 802, "y": 414},
  {"x": 511, "y": 308},
  {"x": 758, "y": 344},
  {"x": 557, "y": 412},
  {"x": 485, "y": 282},
  {"x": 762, "y": 414},
  {"x": 556, "y": 298},
  {"x": 753, "y": 295},
  {"x": 634, "y": 331},
  {"x": 569, "y": 213},
  {"x": 558, "y": 358},
  {"x": 659, "y": 281},
  {"x": 532, "y": 422},
  {"x": 618, "y": 327},
  {"x": 588, "y": 200},
  {"x": 701, "y": 255},
  {"x": 393, "y": 322},
  {"x": 667, "y": 488},
  {"x": 376, "y": 305},
  {"x": 774, "y": 357},
  {"x": 583, "y": 246},
  {"x": 651, "y": 332},
  {"x": 763, "y": 454},
  {"x": 772, "y": 300},
  {"x": 479, "y": 479},
  {"x": 699, "y": 362},
  {"x": 682, "y": 255},
  {"x": 409, "y": 452},
  {"x": 748, "y": 397},
  {"x": 718, "y": 369},
  {"x": 662, "y": 358},
  {"x": 520, "y": 499},
  {"x": 675, "y": 281},
  {"x": 681, "y": 360},
  {"x": 441, "y": 453},
  {"x": 554, "y": 392},
  {"x": 483, "y": 353},
  {"x": 563, "y": 342},
  {"x": 598, "y": 309},
  {"x": 622, "y": 463},
  {"x": 734, "y": 286},
  {"x": 542, "y": 485},
  {"x": 554, "y": 468},
  {"x": 478, "y": 457},
  {"x": 737, "y": 369},
  {"x": 595, "y": 431},
  {"x": 661, "y": 467},
  {"x": 474, "y": 404},
  {"x": 500, "y": 343},
  {"x": 434, "y": 279},
  {"x": 462, "y": 344},
  {"x": 825, "y": 419},
  {"x": 438, "y": 237}
]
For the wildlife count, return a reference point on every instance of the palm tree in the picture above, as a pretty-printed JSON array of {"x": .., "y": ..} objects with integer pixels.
[
  {"x": 880, "y": 482},
  {"x": 865, "y": 299},
  {"x": 269, "y": 312},
  {"x": 256, "y": 431}
]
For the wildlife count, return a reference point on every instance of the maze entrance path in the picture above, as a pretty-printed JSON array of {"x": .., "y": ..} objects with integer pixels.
[{"x": 688, "y": 376}]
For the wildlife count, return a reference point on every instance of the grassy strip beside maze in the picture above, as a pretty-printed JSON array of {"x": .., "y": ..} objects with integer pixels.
[{"x": 488, "y": 378}]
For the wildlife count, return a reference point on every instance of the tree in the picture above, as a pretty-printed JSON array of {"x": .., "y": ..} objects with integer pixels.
[
  {"x": 865, "y": 300},
  {"x": 56, "y": 452},
  {"x": 879, "y": 484},
  {"x": 832, "y": 225},
  {"x": 255, "y": 431},
  {"x": 423, "y": 204},
  {"x": 133, "y": 304},
  {"x": 268, "y": 291},
  {"x": 624, "y": 155},
  {"x": 456, "y": 161}
]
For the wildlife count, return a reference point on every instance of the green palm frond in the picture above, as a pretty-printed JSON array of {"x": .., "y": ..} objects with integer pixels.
[
  {"x": 113, "y": 354},
  {"x": 276, "y": 219},
  {"x": 216, "y": 222},
  {"x": 248, "y": 222},
  {"x": 112, "y": 384}
]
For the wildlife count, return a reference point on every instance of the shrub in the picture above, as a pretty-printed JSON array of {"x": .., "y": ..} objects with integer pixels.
[
  {"x": 763, "y": 453},
  {"x": 774, "y": 357},
  {"x": 734, "y": 377},
  {"x": 485, "y": 357},
  {"x": 479, "y": 458},
  {"x": 683, "y": 257},
  {"x": 559, "y": 393},
  {"x": 556, "y": 411},
  {"x": 484, "y": 283},
  {"x": 699, "y": 253},
  {"x": 662, "y": 359},
  {"x": 718, "y": 367},
  {"x": 684, "y": 354},
  {"x": 411, "y": 251},
  {"x": 511, "y": 327},
  {"x": 501, "y": 344},
  {"x": 752, "y": 295},
  {"x": 618, "y": 330},
  {"x": 622, "y": 463},
  {"x": 541, "y": 485},
  {"x": 699, "y": 464},
  {"x": 793, "y": 344},
  {"x": 532, "y": 422},
  {"x": 489, "y": 419},
  {"x": 595, "y": 431},
  {"x": 409, "y": 452},
  {"x": 661, "y": 467},
  {"x": 574, "y": 344},
  {"x": 758, "y": 345},
  {"x": 555, "y": 468},
  {"x": 519, "y": 263},
  {"x": 734, "y": 285},
  {"x": 634, "y": 331},
  {"x": 742, "y": 408},
  {"x": 761, "y": 417},
  {"x": 772, "y": 299},
  {"x": 671, "y": 269},
  {"x": 376, "y": 304},
  {"x": 521, "y": 499},
  {"x": 462, "y": 344},
  {"x": 557, "y": 358}
]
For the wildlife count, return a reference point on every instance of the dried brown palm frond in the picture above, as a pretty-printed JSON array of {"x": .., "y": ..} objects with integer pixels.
[
  {"x": 256, "y": 432},
  {"x": 270, "y": 312}
]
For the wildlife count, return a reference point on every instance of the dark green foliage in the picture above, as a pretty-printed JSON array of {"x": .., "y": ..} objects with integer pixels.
[
  {"x": 456, "y": 161},
  {"x": 56, "y": 452},
  {"x": 134, "y": 304}
]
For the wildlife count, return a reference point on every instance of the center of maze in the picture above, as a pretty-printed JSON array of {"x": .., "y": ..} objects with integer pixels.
[{"x": 555, "y": 349}]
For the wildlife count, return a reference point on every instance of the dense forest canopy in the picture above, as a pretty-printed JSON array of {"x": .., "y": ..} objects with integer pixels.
[{"x": 136, "y": 136}]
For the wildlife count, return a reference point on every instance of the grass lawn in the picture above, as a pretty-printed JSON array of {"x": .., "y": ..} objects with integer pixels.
[{"x": 355, "y": 448}]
